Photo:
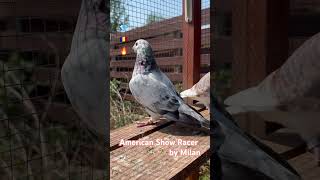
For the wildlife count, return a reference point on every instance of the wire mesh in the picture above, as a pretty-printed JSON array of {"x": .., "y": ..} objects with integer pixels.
[
  {"x": 205, "y": 36},
  {"x": 160, "y": 23},
  {"x": 41, "y": 136}
]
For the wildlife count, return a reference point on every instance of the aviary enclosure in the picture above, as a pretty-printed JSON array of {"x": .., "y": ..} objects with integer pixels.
[
  {"x": 41, "y": 137},
  {"x": 251, "y": 40},
  {"x": 182, "y": 51},
  {"x": 161, "y": 24}
]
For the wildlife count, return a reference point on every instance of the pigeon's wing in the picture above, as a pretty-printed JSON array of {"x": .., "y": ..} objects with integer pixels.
[
  {"x": 160, "y": 76},
  {"x": 161, "y": 99},
  {"x": 187, "y": 114},
  {"x": 153, "y": 94}
]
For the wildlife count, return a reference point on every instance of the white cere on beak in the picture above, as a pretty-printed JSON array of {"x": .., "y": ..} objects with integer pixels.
[{"x": 135, "y": 46}]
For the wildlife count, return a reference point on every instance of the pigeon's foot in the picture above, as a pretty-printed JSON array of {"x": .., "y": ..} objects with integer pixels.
[
  {"x": 316, "y": 153},
  {"x": 150, "y": 121}
]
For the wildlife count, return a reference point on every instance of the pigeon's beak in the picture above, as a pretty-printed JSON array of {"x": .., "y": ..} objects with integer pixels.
[{"x": 134, "y": 48}]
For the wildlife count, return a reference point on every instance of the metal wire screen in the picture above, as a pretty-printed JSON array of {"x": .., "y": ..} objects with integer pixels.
[
  {"x": 158, "y": 22},
  {"x": 205, "y": 36},
  {"x": 41, "y": 136}
]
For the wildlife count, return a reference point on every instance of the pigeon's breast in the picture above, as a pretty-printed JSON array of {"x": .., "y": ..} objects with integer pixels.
[{"x": 140, "y": 86}]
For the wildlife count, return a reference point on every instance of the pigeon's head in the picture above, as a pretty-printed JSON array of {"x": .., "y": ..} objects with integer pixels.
[
  {"x": 142, "y": 46},
  {"x": 145, "y": 61}
]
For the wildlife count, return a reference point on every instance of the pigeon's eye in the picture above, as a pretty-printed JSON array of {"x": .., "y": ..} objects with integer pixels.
[
  {"x": 142, "y": 63},
  {"x": 136, "y": 44}
]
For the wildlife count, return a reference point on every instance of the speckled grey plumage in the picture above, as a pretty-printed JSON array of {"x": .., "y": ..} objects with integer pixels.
[
  {"x": 84, "y": 72},
  {"x": 153, "y": 89}
]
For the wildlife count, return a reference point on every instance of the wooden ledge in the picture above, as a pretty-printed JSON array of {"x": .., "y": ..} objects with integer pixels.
[{"x": 154, "y": 161}]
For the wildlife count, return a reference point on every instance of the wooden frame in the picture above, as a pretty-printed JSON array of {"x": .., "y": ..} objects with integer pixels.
[
  {"x": 191, "y": 46},
  {"x": 260, "y": 45}
]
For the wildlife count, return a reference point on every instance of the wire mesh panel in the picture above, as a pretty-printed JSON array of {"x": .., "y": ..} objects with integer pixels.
[
  {"x": 41, "y": 136},
  {"x": 158, "y": 22},
  {"x": 205, "y": 36}
]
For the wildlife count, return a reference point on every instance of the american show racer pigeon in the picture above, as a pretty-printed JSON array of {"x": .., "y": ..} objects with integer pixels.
[{"x": 153, "y": 90}]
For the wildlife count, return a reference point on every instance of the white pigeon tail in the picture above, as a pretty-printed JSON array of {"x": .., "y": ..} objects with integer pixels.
[
  {"x": 200, "y": 91},
  {"x": 289, "y": 95},
  {"x": 259, "y": 98}
]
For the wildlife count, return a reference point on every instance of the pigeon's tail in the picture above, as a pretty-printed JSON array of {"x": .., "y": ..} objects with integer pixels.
[
  {"x": 188, "y": 93},
  {"x": 193, "y": 116},
  {"x": 252, "y": 97}
]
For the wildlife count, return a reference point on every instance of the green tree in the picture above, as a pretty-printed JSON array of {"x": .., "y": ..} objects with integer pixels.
[
  {"x": 118, "y": 14},
  {"x": 153, "y": 17}
]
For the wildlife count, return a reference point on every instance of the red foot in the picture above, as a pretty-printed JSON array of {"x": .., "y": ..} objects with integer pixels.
[{"x": 148, "y": 123}]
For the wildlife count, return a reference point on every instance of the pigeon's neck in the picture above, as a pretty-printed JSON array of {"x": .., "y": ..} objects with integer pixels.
[{"x": 144, "y": 64}]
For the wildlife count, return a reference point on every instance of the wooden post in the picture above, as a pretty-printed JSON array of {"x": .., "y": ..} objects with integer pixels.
[
  {"x": 260, "y": 45},
  {"x": 191, "y": 46}
]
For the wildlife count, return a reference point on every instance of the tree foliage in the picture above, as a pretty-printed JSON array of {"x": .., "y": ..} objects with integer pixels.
[{"x": 118, "y": 14}]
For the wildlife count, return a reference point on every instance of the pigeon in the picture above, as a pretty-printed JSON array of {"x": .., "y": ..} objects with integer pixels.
[
  {"x": 289, "y": 96},
  {"x": 242, "y": 156},
  {"x": 84, "y": 72},
  {"x": 156, "y": 93},
  {"x": 200, "y": 91}
]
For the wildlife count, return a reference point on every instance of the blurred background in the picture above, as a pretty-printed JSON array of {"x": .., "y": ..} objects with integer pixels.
[
  {"x": 41, "y": 137},
  {"x": 160, "y": 22}
]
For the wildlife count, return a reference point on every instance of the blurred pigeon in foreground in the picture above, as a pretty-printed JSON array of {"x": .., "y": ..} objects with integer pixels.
[
  {"x": 244, "y": 157},
  {"x": 290, "y": 95},
  {"x": 200, "y": 91},
  {"x": 157, "y": 94},
  {"x": 84, "y": 72}
]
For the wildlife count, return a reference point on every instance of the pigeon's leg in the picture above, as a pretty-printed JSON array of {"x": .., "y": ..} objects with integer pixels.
[{"x": 151, "y": 120}]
